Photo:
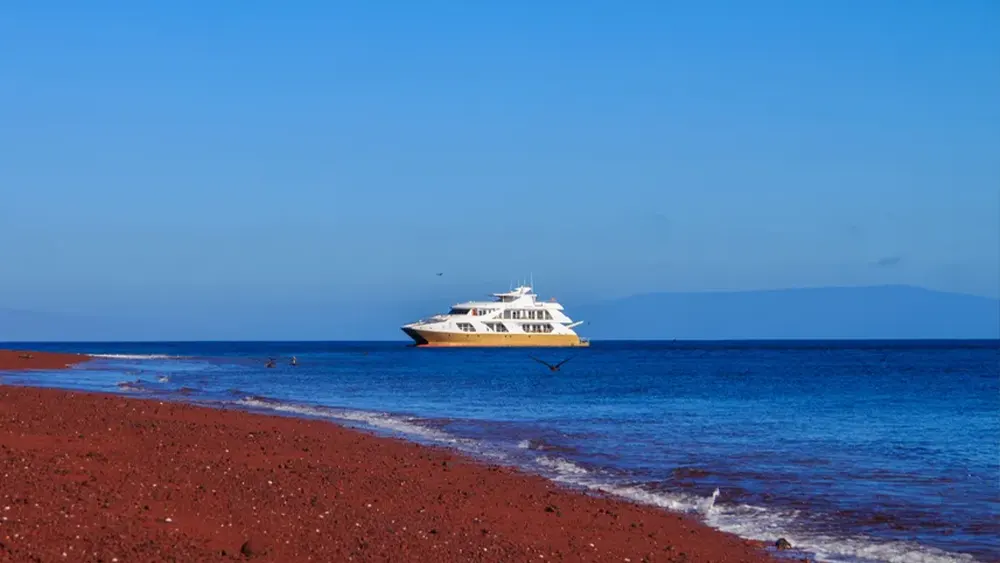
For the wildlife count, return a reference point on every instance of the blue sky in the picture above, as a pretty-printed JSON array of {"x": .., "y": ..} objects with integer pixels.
[{"x": 199, "y": 158}]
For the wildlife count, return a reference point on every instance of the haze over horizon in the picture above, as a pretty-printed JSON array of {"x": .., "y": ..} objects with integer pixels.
[
  {"x": 181, "y": 163},
  {"x": 866, "y": 312}
]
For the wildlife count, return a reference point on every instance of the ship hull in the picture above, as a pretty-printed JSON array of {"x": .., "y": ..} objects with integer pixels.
[{"x": 431, "y": 339}]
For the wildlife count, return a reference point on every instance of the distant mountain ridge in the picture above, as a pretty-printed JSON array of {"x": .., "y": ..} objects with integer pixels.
[
  {"x": 868, "y": 312},
  {"x": 879, "y": 312}
]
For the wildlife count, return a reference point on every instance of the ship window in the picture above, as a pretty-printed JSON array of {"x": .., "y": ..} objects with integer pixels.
[
  {"x": 458, "y": 311},
  {"x": 466, "y": 327}
]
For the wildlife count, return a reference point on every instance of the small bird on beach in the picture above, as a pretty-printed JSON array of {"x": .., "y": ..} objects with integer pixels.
[
  {"x": 294, "y": 361},
  {"x": 551, "y": 366}
]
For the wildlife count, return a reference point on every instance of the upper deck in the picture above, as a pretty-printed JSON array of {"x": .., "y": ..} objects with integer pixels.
[{"x": 522, "y": 296}]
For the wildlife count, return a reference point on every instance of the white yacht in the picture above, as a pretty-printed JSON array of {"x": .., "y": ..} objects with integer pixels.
[{"x": 514, "y": 318}]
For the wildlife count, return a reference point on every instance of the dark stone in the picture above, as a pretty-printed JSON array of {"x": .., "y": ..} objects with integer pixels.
[
  {"x": 251, "y": 548},
  {"x": 782, "y": 543}
]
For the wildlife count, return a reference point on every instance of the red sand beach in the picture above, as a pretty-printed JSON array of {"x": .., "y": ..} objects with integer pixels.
[
  {"x": 19, "y": 359},
  {"x": 93, "y": 477}
]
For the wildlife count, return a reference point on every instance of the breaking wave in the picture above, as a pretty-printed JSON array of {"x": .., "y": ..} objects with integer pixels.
[
  {"x": 135, "y": 356},
  {"x": 407, "y": 426},
  {"x": 751, "y": 522}
]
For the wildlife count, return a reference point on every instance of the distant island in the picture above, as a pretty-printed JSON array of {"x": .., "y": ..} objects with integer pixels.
[{"x": 872, "y": 312}]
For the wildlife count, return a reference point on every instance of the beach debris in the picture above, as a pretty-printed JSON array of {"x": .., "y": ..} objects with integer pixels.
[{"x": 782, "y": 543}]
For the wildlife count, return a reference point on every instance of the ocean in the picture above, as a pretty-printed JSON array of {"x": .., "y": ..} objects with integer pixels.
[{"x": 853, "y": 451}]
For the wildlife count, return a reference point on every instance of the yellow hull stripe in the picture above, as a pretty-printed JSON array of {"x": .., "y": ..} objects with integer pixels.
[{"x": 461, "y": 339}]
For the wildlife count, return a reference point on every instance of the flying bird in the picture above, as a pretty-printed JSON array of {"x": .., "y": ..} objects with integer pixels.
[
  {"x": 439, "y": 274},
  {"x": 550, "y": 366}
]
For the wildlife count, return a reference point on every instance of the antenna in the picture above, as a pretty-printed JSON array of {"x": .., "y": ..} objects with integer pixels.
[{"x": 532, "y": 282}]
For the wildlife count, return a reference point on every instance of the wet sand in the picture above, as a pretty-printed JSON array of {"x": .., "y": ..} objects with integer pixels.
[
  {"x": 23, "y": 359},
  {"x": 95, "y": 477}
]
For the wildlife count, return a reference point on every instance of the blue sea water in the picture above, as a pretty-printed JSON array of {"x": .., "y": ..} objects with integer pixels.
[{"x": 854, "y": 451}]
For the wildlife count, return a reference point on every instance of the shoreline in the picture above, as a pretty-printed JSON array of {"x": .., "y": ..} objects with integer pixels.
[
  {"x": 18, "y": 360},
  {"x": 139, "y": 478}
]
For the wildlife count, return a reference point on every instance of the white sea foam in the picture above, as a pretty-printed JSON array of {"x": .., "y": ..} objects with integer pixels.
[
  {"x": 402, "y": 425},
  {"x": 134, "y": 356},
  {"x": 751, "y": 522},
  {"x": 562, "y": 467},
  {"x": 767, "y": 525},
  {"x": 754, "y": 522}
]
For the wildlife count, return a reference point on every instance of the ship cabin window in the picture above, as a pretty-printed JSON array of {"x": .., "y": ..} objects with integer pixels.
[
  {"x": 537, "y": 328},
  {"x": 466, "y": 327},
  {"x": 496, "y": 327},
  {"x": 458, "y": 311}
]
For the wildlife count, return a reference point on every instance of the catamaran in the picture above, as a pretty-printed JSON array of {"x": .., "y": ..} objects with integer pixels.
[{"x": 514, "y": 318}]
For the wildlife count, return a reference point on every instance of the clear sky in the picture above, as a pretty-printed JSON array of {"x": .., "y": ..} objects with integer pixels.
[{"x": 195, "y": 158}]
